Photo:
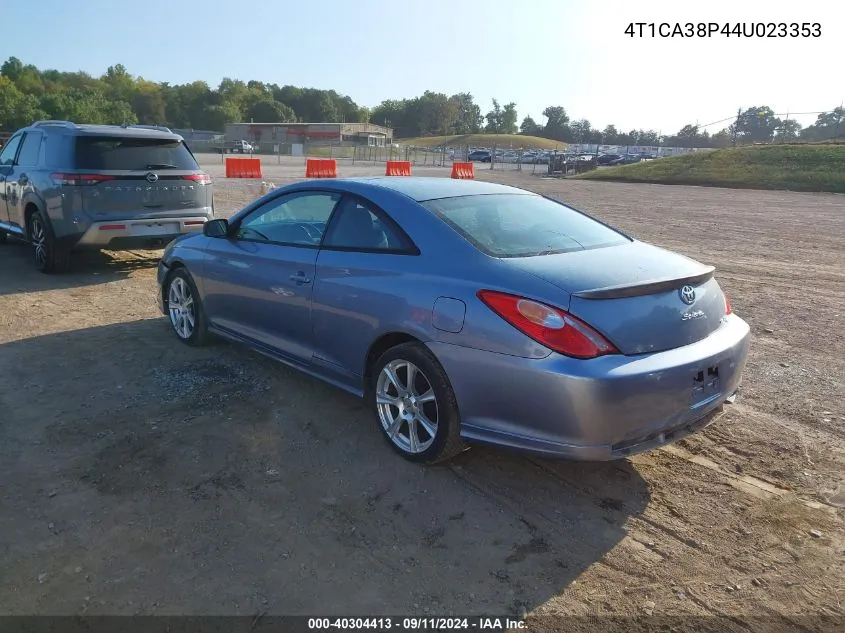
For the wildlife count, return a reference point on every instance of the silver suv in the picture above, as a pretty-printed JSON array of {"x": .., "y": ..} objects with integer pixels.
[{"x": 65, "y": 187}]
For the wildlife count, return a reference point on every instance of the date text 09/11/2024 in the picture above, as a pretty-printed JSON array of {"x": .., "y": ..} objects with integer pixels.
[
  {"x": 716, "y": 29},
  {"x": 417, "y": 624}
]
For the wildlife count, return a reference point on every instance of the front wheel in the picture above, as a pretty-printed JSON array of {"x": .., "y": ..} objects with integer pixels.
[
  {"x": 415, "y": 405},
  {"x": 184, "y": 308}
]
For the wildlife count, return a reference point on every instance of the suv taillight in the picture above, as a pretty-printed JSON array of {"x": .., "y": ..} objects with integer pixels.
[
  {"x": 552, "y": 327},
  {"x": 202, "y": 178},
  {"x": 79, "y": 179}
]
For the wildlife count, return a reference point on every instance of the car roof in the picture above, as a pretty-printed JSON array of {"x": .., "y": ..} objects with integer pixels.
[
  {"x": 129, "y": 131},
  {"x": 422, "y": 188}
]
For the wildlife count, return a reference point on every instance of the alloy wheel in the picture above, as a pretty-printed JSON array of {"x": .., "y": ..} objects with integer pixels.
[
  {"x": 38, "y": 234},
  {"x": 180, "y": 304},
  {"x": 407, "y": 406}
]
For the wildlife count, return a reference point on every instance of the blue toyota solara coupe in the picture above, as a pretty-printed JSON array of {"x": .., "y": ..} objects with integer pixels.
[{"x": 466, "y": 311}]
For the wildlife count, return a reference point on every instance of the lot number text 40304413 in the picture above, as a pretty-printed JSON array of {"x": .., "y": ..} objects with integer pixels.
[{"x": 727, "y": 29}]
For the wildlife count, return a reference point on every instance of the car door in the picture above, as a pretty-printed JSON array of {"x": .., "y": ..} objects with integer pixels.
[
  {"x": 8, "y": 183},
  {"x": 257, "y": 282},
  {"x": 21, "y": 177},
  {"x": 360, "y": 283}
]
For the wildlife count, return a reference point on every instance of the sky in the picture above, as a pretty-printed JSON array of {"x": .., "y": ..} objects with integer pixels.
[{"x": 536, "y": 53}]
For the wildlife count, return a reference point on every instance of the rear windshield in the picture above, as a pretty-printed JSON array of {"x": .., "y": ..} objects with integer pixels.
[
  {"x": 127, "y": 153},
  {"x": 516, "y": 225}
]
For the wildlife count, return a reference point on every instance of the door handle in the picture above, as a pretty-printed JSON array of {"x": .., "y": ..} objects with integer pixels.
[{"x": 300, "y": 278}]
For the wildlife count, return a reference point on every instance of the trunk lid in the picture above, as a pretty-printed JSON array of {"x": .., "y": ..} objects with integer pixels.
[
  {"x": 641, "y": 297},
  {"x": 123, "y": 195},
  {"x": 129, "y": 177}
]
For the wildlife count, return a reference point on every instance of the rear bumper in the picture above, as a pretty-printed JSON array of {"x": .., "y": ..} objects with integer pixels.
[
  {"x": 601, "y": 409},
  {"x": 149, "y": 233}
]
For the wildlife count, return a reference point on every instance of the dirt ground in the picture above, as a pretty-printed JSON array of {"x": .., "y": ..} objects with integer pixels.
[{"x": 142, "y": 476}]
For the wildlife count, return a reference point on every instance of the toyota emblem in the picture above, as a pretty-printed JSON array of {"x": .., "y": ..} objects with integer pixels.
[
  {"x": 151, "y": 177},
  {"x": 687, "y": 294}
]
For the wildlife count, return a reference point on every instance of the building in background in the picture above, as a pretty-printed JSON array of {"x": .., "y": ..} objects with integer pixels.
[
  {"x": 309, "y": 134},
  {"x": 199, "y": 135}
]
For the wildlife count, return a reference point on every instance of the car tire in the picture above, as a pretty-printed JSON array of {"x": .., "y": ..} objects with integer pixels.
[
  {"x": 184, "y": 308},
  {"x": 50, "y": 256},
  {"x": 400, "y": 412}
]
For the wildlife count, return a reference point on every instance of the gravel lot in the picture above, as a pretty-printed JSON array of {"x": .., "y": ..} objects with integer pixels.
[{"x": 141, "y": 476}]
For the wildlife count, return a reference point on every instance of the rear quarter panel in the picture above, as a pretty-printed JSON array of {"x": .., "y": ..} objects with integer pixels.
[{"x": 359, "y": 297}]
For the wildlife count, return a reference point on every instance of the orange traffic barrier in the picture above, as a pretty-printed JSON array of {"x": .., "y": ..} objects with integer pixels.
[
  {"x": 243, "y": 168},
  {"x": 321, "y": 168},
  {"x": 465, "y": 171},
  {"x": 398, "y": 168}
]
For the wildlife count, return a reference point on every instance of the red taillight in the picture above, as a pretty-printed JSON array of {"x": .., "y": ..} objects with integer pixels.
[
  {"x": 203, "y": 179},
  {"x": 73, "y": 180},
  {"x": 552, "y": 327},
  {"x": 728, "y": 309}
]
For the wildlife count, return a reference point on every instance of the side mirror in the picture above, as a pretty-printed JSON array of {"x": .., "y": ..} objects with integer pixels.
[{"x": 216, "y": 228}]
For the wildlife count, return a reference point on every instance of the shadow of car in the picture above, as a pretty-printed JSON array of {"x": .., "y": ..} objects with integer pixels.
[{"x": 163, "y": 465}]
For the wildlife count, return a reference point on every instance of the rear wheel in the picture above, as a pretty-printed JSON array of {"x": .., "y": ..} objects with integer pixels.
[
  {"x": 415, "y": 405},
  {"x": 184, "y": 308},
  {"x": 50, "y": 256}
]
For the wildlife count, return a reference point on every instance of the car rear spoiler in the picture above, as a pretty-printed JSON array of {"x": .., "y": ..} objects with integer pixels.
[{"x": 647, "y": 287}]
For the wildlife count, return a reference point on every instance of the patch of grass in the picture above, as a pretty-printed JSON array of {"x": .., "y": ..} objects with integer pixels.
[
  {"x": 792, "y": 167},
  {"x": 503, "y": 141}
]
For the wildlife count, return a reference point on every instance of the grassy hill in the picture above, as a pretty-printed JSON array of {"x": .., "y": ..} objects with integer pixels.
[
  {"x": 504, "y": 141},
  {"x": 794, "y": 167}
]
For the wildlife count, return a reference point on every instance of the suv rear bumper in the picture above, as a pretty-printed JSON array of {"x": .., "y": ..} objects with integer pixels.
[{"x": 149, "y": 233}]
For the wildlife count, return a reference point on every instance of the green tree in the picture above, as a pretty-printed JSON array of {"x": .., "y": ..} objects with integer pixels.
[
  {"x": 270, "y": 111},
  {"x": 11, "y": 69},
  {"x": 501, "y": 120},
  {"x": 557, "y": 124},
  {"x": 509, "y": 118},
  {"x": 581, "y": 131},
  {"x": 828, "y": 125},
  {"x": 468, "y": 119},
  {"x": 529, "y": 127},
  {"x": 16, "y": 108},
  {"x": 788, "y": 130},
  {"x": 149, "y": 104},
  {"x": 755, "y": 125},
  {"x": 686, "y": 136},
  {"x": 119, "y": 84},
  {"x": 610, "y": 134}
]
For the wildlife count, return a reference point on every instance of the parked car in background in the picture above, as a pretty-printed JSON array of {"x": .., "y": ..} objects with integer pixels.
[
  {"x": 466, "y": 311},
  {"x": 235, "y": 147},
  {"x": 68, "y": 187},
  {"x": 480, "y": 155},
  {"x": 609, "y": 159}
]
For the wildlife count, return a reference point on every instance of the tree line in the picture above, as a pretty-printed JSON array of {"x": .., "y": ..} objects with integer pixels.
[{"x": 28, "y": 94}]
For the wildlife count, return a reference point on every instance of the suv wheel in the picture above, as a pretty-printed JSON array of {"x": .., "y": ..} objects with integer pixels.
[{"x": 49, "y": 256}]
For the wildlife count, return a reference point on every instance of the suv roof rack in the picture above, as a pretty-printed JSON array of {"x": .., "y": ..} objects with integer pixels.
[
  {"x": 160, "y": 128},
  {"x": 53, "y": 122}
]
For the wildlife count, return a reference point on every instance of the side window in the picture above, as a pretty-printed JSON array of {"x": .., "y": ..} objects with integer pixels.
[
  {"x": 7, "y": 156},
  {"x": 357, "y": 225},
  {"x": 30, "y": 149},
  {"x": 298, "y": 218}
]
